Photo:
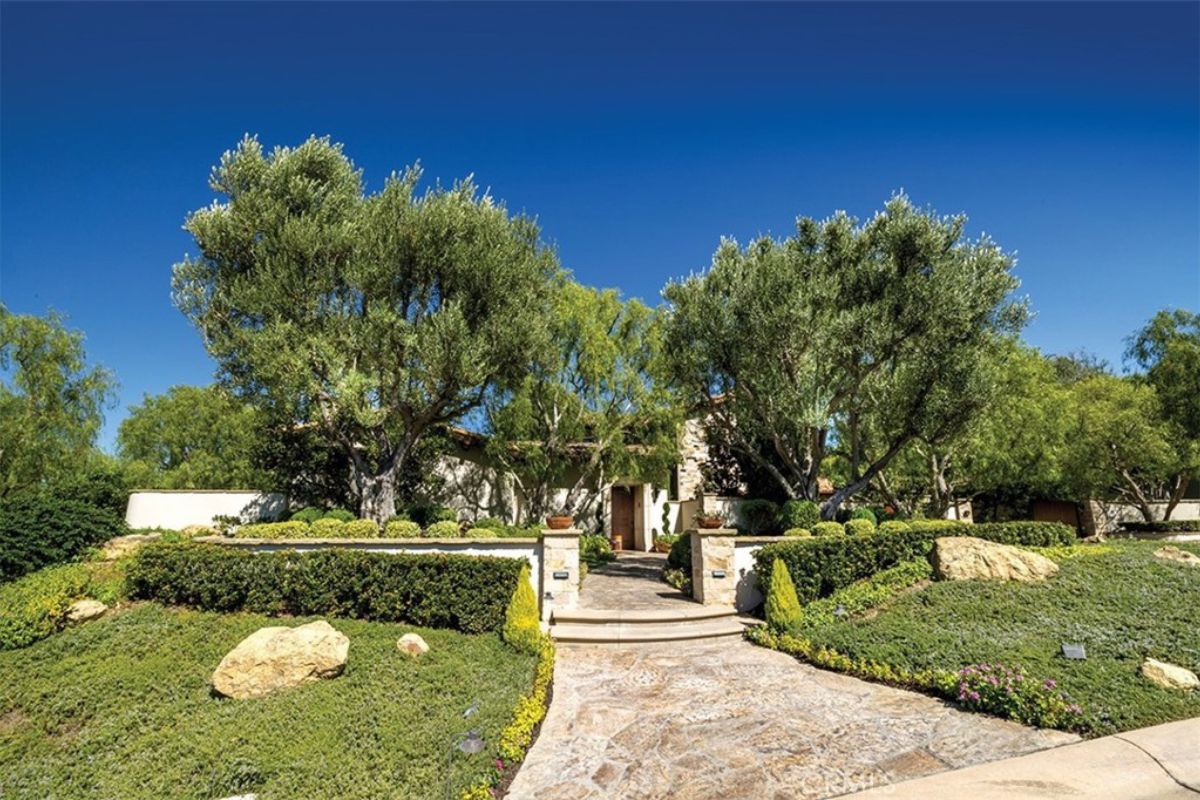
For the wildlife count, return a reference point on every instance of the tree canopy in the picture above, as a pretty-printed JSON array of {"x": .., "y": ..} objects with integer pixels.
[
  {"x": 890, "y": 319},
  {"x": 373, "y": 317}
]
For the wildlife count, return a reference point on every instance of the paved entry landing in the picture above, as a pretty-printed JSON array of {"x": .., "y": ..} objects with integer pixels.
[
  {"x": 722, "y": 718},
  {"x": 633, "y": 581}
]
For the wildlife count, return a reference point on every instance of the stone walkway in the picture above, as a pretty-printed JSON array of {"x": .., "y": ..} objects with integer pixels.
[{"x": 724, "y": 718}]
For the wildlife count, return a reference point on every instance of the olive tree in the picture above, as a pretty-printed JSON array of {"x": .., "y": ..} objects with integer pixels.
[
  {"x": 890, "y": 319},
  {"x": 374, "y": 317}
]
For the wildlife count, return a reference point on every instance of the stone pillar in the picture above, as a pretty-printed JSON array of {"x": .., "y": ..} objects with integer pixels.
[
  {"x": 559, "y": 571},
  {"x": 714, "y": 582}
]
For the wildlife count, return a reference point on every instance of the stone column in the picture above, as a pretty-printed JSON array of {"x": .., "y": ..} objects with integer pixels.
[
  {"x": 559, "y": 570},
  {"x": 714, "y": 582}
]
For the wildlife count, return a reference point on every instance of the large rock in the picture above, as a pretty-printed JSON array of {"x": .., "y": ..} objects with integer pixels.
[
  {"x": 85, "y": 610},
  {"x": 121, "y": 546},
  {"x": 965, "y": 558},
  {"x": 1169, "y": 675},
  {"x": 1173, "y": 553},
  {"x": 275, "y": 658},
  {"x": 412, "y": 644}
]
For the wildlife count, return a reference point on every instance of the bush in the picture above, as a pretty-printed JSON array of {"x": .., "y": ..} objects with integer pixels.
[
  {"x": 1009, "y": 692},
  {"x": 862, "y": 512},
  {"x": 595, "y": 550},
  {"x": 860, "y": 526},
  {"x": 307, "y": 515},
  {"x": 483, "y": 533},
  {"x": 467, "y": 593},
  {"x": 292, "y": 529},
  {"x": 327, "y": 528},
  {"x": 35, "y": 606},
  {"x": 892, "y": 526},
  {"x": 426, "y": 515},
  {"x": 759, "y": 516},
  {"x": 783, "y": 607},
  {"x": 1162, "y": 526},
  {"x": 489, "y": 522},
  {"x": 522, "y": 626},
  {"x": 445, "y": 529},
  {"x": 398, "y": 528},
  {"x": 680, "y": 556},
  {"x": 799, "y": 514},
  {"x": 340, "y": 514},
  {"x": 797, "y": 532},
  {"x": 824, "y": 564},
  {"x": 828, "y": 529},
  {"x": 39, "y": 529},
  {"x": 361, "y": 529}
]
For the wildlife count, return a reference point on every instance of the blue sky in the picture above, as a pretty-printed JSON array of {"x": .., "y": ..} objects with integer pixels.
[{"x": 637, "y": 134}]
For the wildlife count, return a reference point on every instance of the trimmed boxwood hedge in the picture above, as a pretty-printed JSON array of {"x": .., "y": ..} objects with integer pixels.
[
  {"x": 466, "y": 593},
  {"x": 1163, "y": 526},
  {"x": 820, "y": 566}
]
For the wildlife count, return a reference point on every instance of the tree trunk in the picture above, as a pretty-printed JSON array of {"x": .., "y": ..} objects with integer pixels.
[
  {"x": 1181, "y": 483},
  {"x": 829, "y": 507},
  {"x": 377, "y": 497}
]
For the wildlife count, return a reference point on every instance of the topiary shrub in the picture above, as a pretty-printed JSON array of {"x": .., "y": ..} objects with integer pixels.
[
  {"x": 522, "y": 626},
  {"x": 340, "y": 514},
  {"x": 862, "y": 512},
  {"x": 892, "y": 526},
  {"x": 489, "y": 522},
  {"x": 39, "y": 529},
  {"x": 307, "y": 514},
  {"x": 828, "y": 529},
  {"x": 760, "y": 517},
  {"x": 467, "y": 593},
  {"x": 397, "y": 528},
  {"x": 483, "y": 533},
  {"x": 292, "y": 529},
  {"x": 782, "y": 607},
  {"x": 799, "y": 514},
  {"x": 797, "y": 532},
  {"x": 860, "y": 526},
  {"x": 327, "y": 528},
  {"x": 444, "y": 529},
  {"x": 361, "y": 529}
]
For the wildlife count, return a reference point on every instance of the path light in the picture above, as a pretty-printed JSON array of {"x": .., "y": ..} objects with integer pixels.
[
  {"x": 471, "y": 709},
  {"x": 840, "y": 612},
  {"x": 472, "y": 743},
  {"x": 1075, "y": 652}
]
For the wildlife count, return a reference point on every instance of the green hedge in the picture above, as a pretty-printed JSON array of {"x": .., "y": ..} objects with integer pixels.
[
  {"x": 1162, "y": 526},
  {"x": 39, "y": 529},
  {"x": 467, "y": 593},
  {"x": 822, "y": 565}
]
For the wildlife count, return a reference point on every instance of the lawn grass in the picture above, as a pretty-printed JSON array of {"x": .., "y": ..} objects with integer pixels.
[
  {"x": 1117, "y": 600},
  {"x": 121, "y": 708}
]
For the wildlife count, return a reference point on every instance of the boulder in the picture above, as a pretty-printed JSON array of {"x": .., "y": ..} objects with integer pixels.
[
  {"x": 121, "y": 546},
  {"x": 412, "y": 644},
  {"x": 1173, "y": 553},
  {"x": 192, "y": 531},
  {"x": 85, "y": 610},
  {"x": 965, "y": 558},
  {"x": 1169, "y": 676},
  {"x": 277, "y": 657}
]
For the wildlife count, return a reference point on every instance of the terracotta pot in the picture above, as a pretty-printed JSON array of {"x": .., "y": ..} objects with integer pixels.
[
  {"x": 617, "y": 543},
  {"x": 709, "y": 523},
  {"x": 558, "y": 522}
]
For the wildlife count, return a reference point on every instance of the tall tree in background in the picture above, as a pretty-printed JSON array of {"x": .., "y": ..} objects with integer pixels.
[
  {"x": 376, "y": 318},
  {"x": 51, "y": 401},
  {"x": 192, "y": 437},
  {"x": 889, "y": 319},
  {"x": 590, "y": 405}
]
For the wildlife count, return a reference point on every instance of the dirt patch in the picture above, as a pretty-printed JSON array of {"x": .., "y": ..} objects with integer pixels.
[
  {"x": 64, "y": 734},
  {"x": 13, "y": 719}
]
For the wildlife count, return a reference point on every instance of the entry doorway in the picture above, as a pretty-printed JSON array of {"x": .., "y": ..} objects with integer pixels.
[{"x": 623, "y": 528}]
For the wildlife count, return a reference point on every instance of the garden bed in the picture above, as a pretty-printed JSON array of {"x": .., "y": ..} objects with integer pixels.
[{"x": 122, "y": 708}]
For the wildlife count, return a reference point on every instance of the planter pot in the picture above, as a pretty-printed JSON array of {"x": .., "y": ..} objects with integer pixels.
[
  {"x": 617, "y": 543},
  {"x": 559, "y": 522},
  {"x": 661, "y": 547},
  {"x": 709, "y": 523}
]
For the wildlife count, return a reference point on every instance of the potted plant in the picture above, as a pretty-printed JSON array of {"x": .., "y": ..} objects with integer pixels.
[
  {"x": 709, "y": 520},
  {"x": 560, "y": 520}
]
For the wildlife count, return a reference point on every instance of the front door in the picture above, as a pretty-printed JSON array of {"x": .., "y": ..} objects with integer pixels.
[{"x": 622, "y": 516}]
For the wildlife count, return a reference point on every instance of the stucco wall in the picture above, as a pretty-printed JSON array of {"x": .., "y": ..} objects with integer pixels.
[
  {"x": 749, "y": 596},
  {"x": 174, "y": 510}
]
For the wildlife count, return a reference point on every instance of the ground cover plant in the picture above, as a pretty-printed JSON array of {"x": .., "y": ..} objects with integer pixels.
[
  {"x": 1117, "y": 599},
  {"x": 122, "y": 708}
]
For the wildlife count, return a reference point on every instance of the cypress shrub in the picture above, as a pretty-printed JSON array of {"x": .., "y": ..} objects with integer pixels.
[
  {"x": 783, "y": 607},
  {"x": 522, "y": 628}
]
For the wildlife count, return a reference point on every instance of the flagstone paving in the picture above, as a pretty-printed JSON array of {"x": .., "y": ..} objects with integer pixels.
[{"x": 726, "y": 719}]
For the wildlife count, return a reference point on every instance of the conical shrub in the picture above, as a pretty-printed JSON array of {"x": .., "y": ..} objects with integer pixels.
[
  {"x": 522, "y": 628},
  {"x": 783, "y": 607}
]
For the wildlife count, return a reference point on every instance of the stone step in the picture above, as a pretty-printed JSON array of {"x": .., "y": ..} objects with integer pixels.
[
  {"x": 648, "y": 632},
  {"x": 684, "y": 612}
]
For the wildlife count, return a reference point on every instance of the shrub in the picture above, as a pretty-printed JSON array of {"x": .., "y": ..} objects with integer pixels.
[
  {"x": 862, "y": 512},
  {"x": 308, "y": 514},
  {"x": 892, "y": 526},
  {"x": 595, "y": 550},
  {"x": 401, "y": 529},
  {"x": 489, "y": 522},
  {"x": 824, "y": 564},
  {"x": 797, "y": 532},
  {"x": 1010, "y": 693},
  {"x": 828, "y": 529},
  {"x": 680, "y": 556},
  {"x": 522, "y": 626},
  {"x": 783, "y": 607},
  {"x": 860, "y": 526},
  {"x": 340, "y": 514},
  {"x": 1162, "y": 526},
  {"x": 292, "y": 529},
  {"x": 327, "y": 528},
  {"x": 799, "y": 514},
  {"x": 425, "y": 514},
  {"x": 483, "y": 533},
  {"x": 467, "y": 593},
  {"x": 35, "y": 606},
  {"x": 39, "y": 529},
  {"x": 361, "y": 529},
  {"x": 445, "y": 529},
  {"x": 759, "y": 516}
]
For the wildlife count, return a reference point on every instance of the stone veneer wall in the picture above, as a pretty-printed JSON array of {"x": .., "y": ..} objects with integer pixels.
[{"x": 693, "y": 453}]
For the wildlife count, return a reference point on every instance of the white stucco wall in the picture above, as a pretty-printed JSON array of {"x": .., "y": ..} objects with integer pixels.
[
  {"x": 744, "y": 547},
  {"x": 174, "y": 510}
]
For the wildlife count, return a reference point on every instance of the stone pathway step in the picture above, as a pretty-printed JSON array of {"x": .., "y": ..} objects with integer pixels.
[
  {"x": 681, "y": 612},
  {"x": 623, "y": 633}
]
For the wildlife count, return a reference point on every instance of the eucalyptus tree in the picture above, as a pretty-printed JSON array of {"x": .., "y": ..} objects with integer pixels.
[
  {"x": 373, "y": 317},
  {"x": 590, "y": 406},
  {"x": 889, "y": 319}
]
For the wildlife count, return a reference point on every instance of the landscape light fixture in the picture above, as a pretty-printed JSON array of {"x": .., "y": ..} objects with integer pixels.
[
  {"x": 718, "y": 573},
  {"x": 1075, "y": 652},
  {"x": 840, "y": 612},
  {"x": 472, "y": 743}
]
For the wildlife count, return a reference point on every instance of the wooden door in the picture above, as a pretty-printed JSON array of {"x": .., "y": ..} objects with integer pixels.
[{"x": 622, "y": 516}]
